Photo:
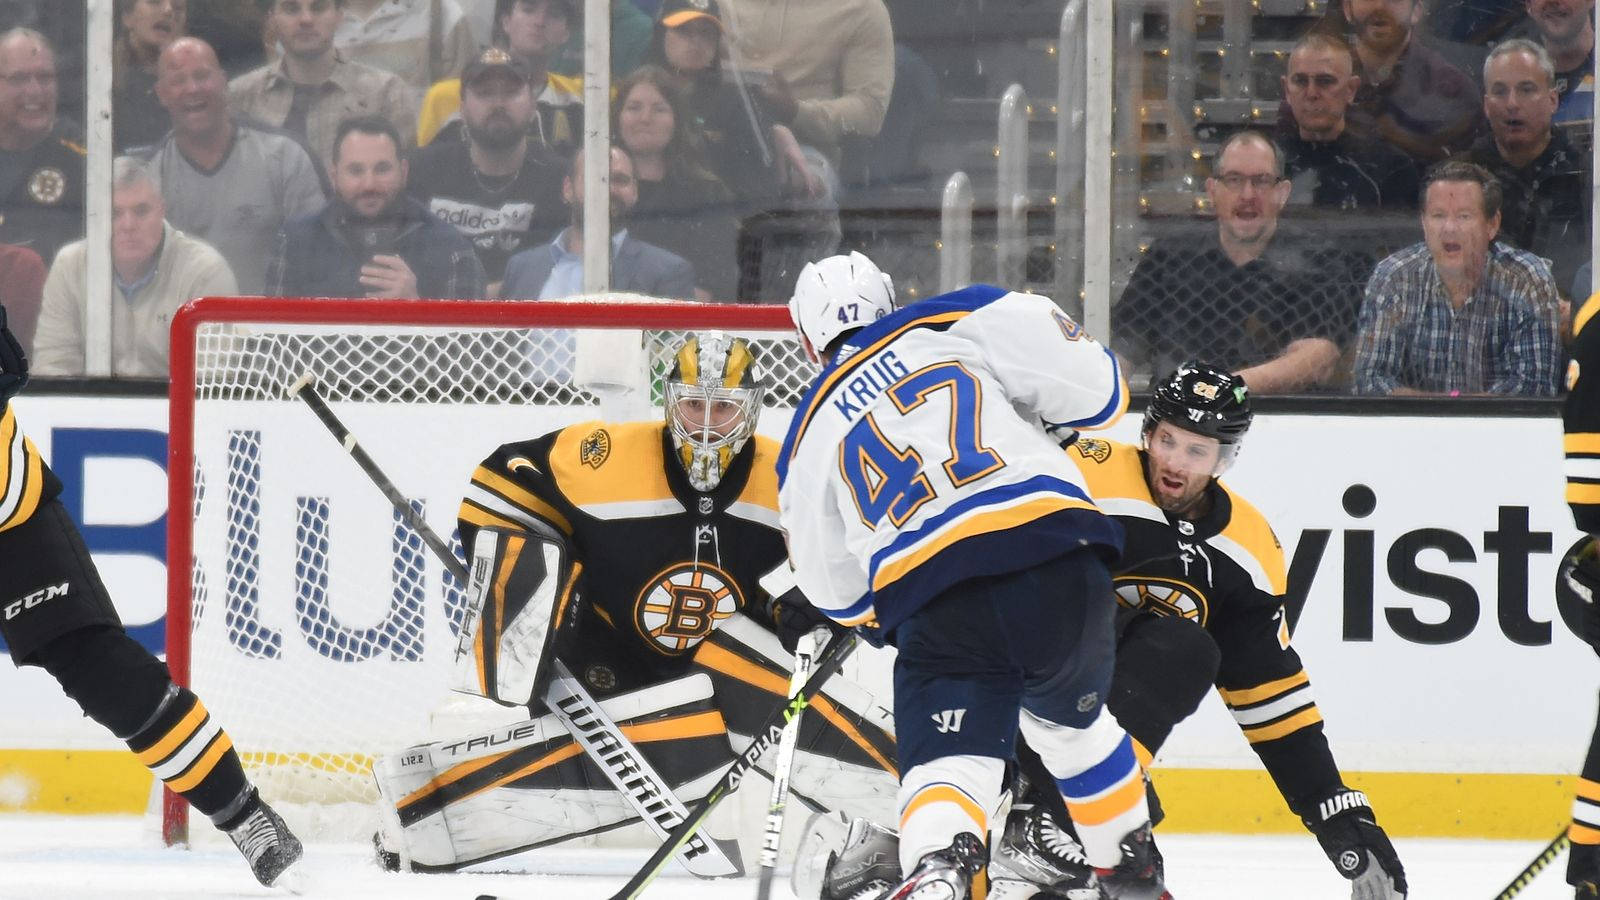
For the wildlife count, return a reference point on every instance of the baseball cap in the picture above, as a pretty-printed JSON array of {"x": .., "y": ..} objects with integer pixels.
[
  {"x": 494, "y": 59},
  {"x": 680, "y": 12}
]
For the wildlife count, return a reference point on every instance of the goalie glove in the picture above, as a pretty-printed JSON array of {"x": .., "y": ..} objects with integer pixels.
[
  {"x": 1349, "y": 834},
  {"x": 13, "y": 363},
  {"x": 1581, "y": 572},
  {"x": 787, "y": 609}
]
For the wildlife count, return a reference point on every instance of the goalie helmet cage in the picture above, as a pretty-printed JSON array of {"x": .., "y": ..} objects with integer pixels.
[{"x": 306, "y": 614}]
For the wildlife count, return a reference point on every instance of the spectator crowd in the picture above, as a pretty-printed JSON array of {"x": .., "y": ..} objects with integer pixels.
[{"x": 1416, "y": 221}]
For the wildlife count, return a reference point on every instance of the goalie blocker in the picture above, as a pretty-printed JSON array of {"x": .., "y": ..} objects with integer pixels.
[{"x": 459, "y": 802}]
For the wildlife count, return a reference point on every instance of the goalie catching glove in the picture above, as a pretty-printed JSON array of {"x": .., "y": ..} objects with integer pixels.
[{"x": 1348, "y": 832}]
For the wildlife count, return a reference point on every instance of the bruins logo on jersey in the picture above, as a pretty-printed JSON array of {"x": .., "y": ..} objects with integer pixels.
[
  {"x": 47, "y": 186},
  {"x": 595, "y": 449},
  {"x": 1093, "y": 448},
  {"x": 683, "y": 603},
  {"x": 1163, "y": 597}
]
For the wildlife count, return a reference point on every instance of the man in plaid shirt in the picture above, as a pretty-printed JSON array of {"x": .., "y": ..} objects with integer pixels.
[{"x": 1459, "y": 313}]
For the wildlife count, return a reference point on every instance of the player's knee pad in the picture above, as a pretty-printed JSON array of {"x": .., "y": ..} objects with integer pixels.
[
  {"x": 1165, "y": 667},
  {"x": 944, "y": 797},
  {"x": 116, "y": 682}
]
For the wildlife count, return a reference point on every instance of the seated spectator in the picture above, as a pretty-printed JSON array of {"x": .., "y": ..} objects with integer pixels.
[
  {"x": 1329, "y": 166},
  {"x": 144, "y": 29},
  {"x": 497, "y": 187},
  {"x": 21, "y": 291},
  {"x": 1565, "y": 28},
  {"x": 529, "y": 30},
  {"x": 422, "y": 41},
  {"x": 682, "y": 207},
  {"x": 371, "y": 240},
  {"x": 758, "y": 159},
  {"x": 228, "y": 183},
  {"x": 64, "y": 25},
  {"x": 630, "y": 34},
  {"x": 312, "y": 88},
  {"x": 157, "y": 269},
  {"x": 1459, "y": 313},
  {"x": 1543, "y": 180},
  {"x": 1410, "y": 96},
  {"x": 831, "y": 65},
  {"x": 555, "y": 270},
  {"x": 41, "y": 170},
  {"x": 1272, "y": 305}
]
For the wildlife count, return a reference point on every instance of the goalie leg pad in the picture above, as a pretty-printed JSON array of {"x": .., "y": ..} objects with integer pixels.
[
  {"x": 528, "y": 785},
  {"x": 1165, "y": 667},
  {"x": 845, "y": 755},
  {"x": 520, "y": 587}
]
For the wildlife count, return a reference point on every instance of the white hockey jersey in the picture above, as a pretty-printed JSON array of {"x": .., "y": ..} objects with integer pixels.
[{"x": 928, "y": 453}]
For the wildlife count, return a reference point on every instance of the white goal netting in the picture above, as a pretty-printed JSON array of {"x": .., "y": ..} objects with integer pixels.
[{"x": 319, "y": 627}]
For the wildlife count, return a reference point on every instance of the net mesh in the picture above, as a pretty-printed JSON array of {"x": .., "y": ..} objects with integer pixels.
[{"x": 322, "y": 628}]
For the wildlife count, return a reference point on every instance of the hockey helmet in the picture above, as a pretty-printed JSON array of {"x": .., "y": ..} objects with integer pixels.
[
  {"x": 713, "y": 399},
  {"x": 1204, "y": 399},
  {"x": 838, "y": 294}
]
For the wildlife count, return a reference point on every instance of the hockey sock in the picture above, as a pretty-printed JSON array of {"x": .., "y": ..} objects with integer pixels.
[
  {"x": 944, "y": 797},
  {"x": 123, "y": 687},
  {"x": 1584, "y": 864},
  {"x": 1099, "y": 777}
]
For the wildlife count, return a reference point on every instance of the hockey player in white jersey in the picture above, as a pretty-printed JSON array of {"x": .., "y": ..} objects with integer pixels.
[{"x": 927, "y": 502}]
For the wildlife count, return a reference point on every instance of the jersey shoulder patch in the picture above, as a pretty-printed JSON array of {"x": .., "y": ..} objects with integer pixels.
[
  {"x": 1249, "y": 538},
  {"x": 604, "y": 463},
  {"x": 1110, "y": 468}
]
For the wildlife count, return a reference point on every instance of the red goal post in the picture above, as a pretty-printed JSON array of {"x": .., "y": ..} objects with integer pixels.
[{"x": 301, "y": 609}]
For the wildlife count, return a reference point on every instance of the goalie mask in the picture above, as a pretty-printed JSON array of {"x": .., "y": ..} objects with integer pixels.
[
  {"x": 1203, "y": 399},
  {"x": 713, "y": 398}
]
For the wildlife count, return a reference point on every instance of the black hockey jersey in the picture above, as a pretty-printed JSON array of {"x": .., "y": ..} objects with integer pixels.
[
  {"x": 658, "y": 565},
  {"x": 25, "y": 481},
  {"x": 1225, "y": 572},
  {"x": 1581, "y": 420}
]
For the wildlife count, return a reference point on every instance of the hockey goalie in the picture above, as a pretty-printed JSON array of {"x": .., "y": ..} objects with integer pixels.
[{"x": 617, "y": 591}]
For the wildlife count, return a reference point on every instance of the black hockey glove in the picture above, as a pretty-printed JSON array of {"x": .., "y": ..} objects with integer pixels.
[
  {"x": 1581, "y": 572},
  {"x": 793, "y": 615},
  {"x": 1583, "y": 870},
  {"x": 13, "y": 363},
  {"x": 1345, "y": 827}
]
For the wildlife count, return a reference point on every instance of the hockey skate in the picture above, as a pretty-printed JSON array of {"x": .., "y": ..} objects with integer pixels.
[
  {"x": 1035, "y": 856},
  {"x": 944, "y": 874},
  {"x": 269, "y": 847},
  {"x": 859, "y": 860},
  {"x": 1141, "y": 875}
]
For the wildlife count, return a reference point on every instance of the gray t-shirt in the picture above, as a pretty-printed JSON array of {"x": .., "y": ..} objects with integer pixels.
[{"x": 265, "y": 180}]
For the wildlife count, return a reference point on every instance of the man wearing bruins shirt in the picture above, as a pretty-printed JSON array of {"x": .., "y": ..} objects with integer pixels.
[
  {"x": 666, "y": 529},
  {"x": 56, "y": 614},
  {"x": 1200, "y": 589}
]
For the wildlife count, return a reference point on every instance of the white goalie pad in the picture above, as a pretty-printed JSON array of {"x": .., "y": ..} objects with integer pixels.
[
  {"x": 453, "y": 803},
  {"x": 517, "y": 593}
]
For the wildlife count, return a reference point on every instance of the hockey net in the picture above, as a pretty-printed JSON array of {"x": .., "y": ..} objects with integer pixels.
[{"x": 313, "y": 623}]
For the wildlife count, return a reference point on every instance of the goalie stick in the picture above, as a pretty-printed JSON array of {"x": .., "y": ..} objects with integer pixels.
[
  {"x": 770, "y": 732},
  {"x": 805, "y": 652},
  {"x": 627, "y": 769},
  {"x": 1540, "y": 863}
]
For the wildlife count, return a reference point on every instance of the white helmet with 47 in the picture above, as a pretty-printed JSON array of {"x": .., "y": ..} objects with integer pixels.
[{"x": 838, "y": 294}]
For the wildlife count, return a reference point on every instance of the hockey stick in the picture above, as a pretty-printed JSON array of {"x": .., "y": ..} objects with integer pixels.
[
  {"x": 805, "y": 652},
  {"x": 627, "y": 769},
  {"x": 1540, "y": 863}
]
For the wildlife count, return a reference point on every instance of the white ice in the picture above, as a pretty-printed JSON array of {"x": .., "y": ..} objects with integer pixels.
[{"x": 100, "y": 858}]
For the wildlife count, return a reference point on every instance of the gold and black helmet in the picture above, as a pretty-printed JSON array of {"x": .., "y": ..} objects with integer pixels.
[{"x": 713, "y": 399}]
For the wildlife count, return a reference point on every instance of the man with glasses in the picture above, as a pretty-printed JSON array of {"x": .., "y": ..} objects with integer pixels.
[
  {"x": 41, "y": 168},
  {"x": 1272, "y": 306},
  {"x": 1330, "y": 166}
]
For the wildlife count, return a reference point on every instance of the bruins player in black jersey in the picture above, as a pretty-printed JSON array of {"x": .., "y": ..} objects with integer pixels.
[
  {"x": 55, "y": 614},
  {"x": 659, "y": 534},
  {"x": 1581, "y": 570},
  {"x": 1200, "y": 589}
]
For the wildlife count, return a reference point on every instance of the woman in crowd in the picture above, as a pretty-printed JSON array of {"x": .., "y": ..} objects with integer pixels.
[
  {"x": 683, "y": 206},
  {"x": 144, "y": 29}
]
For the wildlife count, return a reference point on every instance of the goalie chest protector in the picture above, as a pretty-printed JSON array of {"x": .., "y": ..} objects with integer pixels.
[{"x": 659, "y": 565}]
